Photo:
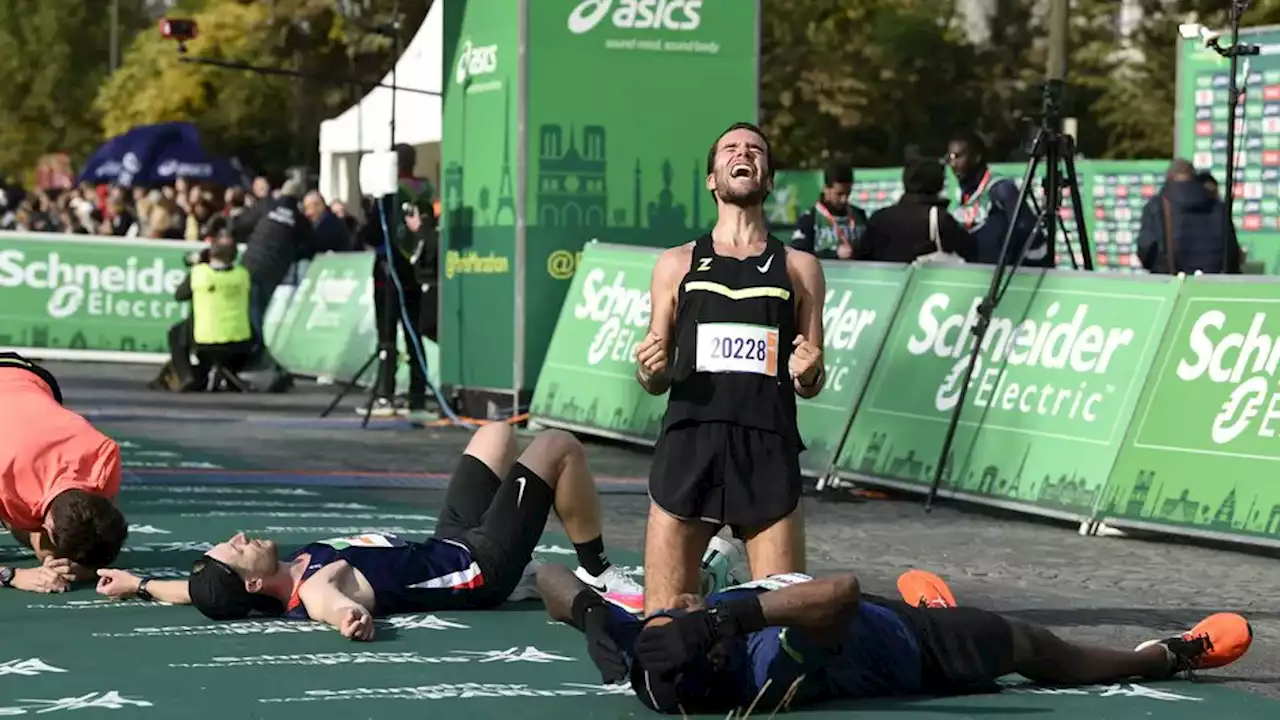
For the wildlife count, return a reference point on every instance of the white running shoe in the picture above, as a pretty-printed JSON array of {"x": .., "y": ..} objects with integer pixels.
[
  {"x": 718, "y": 563},
  {"x": 527, "y": 588},
  {"x": 612, "y": 580}
]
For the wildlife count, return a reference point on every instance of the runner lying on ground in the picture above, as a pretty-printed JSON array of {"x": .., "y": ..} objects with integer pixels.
[
  {"x": 59, "y": 478},
  {"x": 790, "y": 640},
  {"x": 484, "y": 541}
]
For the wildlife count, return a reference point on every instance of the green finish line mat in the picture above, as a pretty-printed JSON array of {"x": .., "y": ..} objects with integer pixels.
[{"x": 81, "y": 652}]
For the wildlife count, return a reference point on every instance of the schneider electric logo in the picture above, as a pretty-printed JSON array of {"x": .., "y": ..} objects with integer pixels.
[
  {"x": 476, "y": 61},
  {"x": 1248, "y": 360},
  {"x": 130, "y": 290},
  {"x": 1009, "y": 374},
  {"x": 637, "y": 15}
]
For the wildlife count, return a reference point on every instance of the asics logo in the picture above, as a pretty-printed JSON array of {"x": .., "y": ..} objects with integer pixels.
[
  {"x": 637, "y": 15},
  {"x": 475, "y": 60}
]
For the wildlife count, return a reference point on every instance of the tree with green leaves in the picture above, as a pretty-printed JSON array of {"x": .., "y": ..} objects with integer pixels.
[
  {"x": 53, "y": 57},
  {"x": 269, "y": 121}
]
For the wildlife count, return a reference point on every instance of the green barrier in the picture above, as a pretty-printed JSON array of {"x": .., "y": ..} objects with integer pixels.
[
  {"x": 326, "y": 327},
  {"x": 1055, "y": 387},
  {"x": 588, "y": 381},
  {"x": 859, "y": 309},
  {"x": 1200, "y": 452},
  {"x": 89, "y": 298}
]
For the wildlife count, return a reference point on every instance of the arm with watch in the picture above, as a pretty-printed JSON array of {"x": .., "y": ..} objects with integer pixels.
[
  {"x": 54, "y": 575},
  {"x": 816, "y": 607},
  {"x": 121, "y": 585}
]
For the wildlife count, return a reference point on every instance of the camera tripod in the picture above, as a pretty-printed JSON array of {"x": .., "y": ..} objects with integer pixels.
[{"x": 1054, "y": 149}]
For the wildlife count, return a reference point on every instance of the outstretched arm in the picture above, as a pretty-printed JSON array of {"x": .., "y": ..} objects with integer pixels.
[
  {"x": 120, "y": 584},
  {"x": 323, "y": 597}
]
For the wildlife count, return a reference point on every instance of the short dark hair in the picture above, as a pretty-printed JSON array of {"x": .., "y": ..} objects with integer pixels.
[
  {"x": 971, "y": 140},
  {"x": 88, "y": 529},
  {"x": 923, "y": 176},
  {"x": 1206, "y": 176},
  {"x": 218, "y": 592},
  {"x": 838, "y": 172},
  {"x": 715, "y": 144}
]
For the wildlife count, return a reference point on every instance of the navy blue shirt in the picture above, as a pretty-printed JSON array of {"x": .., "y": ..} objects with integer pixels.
[
  {"x": 877, "y": 657},
  {"x": 405, "y": 576}
]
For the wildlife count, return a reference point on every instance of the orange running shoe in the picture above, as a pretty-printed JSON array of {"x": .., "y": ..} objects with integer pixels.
[
  {"x": 1215, "y": 641},
  {"x": 921, "y": 588}
]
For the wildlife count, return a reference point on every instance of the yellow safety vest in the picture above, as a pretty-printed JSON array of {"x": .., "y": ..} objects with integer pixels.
[{"x": 220, "y": 305}]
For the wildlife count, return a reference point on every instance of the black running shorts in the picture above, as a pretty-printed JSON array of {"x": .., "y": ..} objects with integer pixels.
[
  {"x": 963, "y": 650},
  {"x": 500, "y": 520},
  {"x": 726, "y": 474}
]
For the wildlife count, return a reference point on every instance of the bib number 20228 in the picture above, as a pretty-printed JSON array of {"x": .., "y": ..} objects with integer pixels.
[{"x": 734, "y": 347}]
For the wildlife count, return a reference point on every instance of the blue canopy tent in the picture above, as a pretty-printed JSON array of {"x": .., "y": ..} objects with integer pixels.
[{"x": 154, "y": 155}]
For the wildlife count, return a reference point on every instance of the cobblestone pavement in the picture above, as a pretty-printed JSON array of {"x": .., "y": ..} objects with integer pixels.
[{"x": 1118, "y": 591}]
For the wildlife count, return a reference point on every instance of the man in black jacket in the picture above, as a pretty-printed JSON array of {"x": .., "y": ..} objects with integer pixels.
[
  {"x": 1193, "y": 221},
  {"x": 832, "y": 227},
  {"x": 281, "y": 236},
  {"x": 900, "y": 233}
]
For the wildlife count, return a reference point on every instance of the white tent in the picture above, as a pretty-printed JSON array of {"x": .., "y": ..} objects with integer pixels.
[{"x": 366, "y": 127}]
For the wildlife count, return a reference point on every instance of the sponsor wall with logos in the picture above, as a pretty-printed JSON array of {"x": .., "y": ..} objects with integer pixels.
[
  {"x": 1113, "y": 194},
  {"x": 586, "y": 120},
  {"x": 1135, "y": 400}
]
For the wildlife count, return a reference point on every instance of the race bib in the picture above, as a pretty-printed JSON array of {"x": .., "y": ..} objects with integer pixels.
[
  {"x": 773, "y": 582},
  {"x": 737, "y": 347},
  {"x": 372, "y": 540}
]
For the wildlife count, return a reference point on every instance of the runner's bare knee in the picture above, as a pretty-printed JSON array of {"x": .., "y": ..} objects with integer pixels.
[
  {"x": 550, "y": 453},
  {"x": 495, "y": 446}
]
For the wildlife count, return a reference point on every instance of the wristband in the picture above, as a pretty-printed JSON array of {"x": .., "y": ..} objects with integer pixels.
[
  {"x": 583, "y": 603},
  {"x": 738, "y": 617},
  {"x": 822, "y": 373},
  {"x": 142, "y": 590}
]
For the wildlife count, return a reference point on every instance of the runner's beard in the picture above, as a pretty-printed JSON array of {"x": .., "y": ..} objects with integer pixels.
[{"x": 742, "y": 192}]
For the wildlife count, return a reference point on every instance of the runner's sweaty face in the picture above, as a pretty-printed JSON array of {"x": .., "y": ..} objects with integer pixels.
[
  {"x": 741, "y": 171},
  {"x": 250, "y": 557}
]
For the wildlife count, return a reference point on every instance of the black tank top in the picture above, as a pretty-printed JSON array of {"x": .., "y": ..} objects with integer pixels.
[{"x": 735, "y": 325}]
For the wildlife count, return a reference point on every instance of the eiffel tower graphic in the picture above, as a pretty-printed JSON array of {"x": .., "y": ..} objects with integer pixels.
[{"x": 506, "y": 189}]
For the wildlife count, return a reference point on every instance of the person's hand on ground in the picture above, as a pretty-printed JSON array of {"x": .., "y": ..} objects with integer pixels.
[
  {"x": 357, "y": 624},
  {"x": 53, "y": 576},
  {"x": 117, "y": 584}
]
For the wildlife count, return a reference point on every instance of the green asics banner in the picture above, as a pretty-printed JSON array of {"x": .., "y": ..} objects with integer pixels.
[
  {"x": 1051, "y": 396},
  {"x": 90, "y": 294},
  {"x": 588, "y": 381},
  {"x": 1201, "y": 453},
  {"x": 327, "y": 326}
]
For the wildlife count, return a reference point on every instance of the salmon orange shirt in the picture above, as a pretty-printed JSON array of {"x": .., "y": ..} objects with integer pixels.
[{"x": 46, "y": 449}]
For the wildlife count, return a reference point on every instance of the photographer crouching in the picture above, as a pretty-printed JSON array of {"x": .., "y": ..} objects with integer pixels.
[
  {"x": 414, "y": 255},
  {"x": 219, "y": 328}
]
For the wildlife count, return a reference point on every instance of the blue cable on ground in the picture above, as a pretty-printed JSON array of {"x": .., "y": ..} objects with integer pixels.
[{"x": 415, "y": 341}]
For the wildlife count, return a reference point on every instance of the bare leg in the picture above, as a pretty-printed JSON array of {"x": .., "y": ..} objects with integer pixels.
[
  {"x": 672, "y": 558},
  {"x": 1043, "y": 657},
  {"x": 559, "y": 459},
  {"x": 778, "y": 548},
  {"x": 494, "y": 445}
]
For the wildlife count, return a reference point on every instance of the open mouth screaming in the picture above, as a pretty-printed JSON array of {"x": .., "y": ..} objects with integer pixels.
[{"x": 742, "y": 170}]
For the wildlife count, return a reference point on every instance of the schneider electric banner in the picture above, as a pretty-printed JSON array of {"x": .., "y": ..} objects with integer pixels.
[
  {"x": 1204, "y": 446},
  {"x": 67, "y": 292},
  {"x": 1050, "y": 400}
]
